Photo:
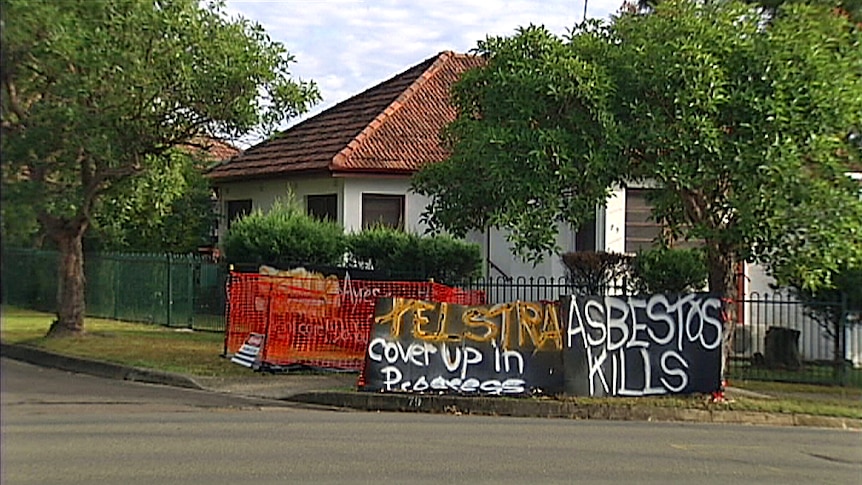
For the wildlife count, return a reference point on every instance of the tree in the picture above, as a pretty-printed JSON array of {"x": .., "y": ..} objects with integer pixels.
[
  {"x": 167, "y": 209},
  {"x": 19, "y": 225},
  {"x": 739, "y": 122},
  {"x": 94, "y": 93},
  {"x": 534, "y": 142},
  {"x": 851, "y": 8},
  {"x": 742, "y": 124}
]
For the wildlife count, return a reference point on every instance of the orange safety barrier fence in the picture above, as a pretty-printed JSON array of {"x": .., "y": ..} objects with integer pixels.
[{"x": 317, "y": 321}]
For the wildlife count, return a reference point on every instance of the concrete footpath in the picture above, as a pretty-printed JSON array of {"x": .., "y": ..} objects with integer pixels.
[{"x": 338, "y": 390}]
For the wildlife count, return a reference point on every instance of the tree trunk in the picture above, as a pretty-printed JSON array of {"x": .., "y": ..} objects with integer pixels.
[
  {"x": 720, "y": 265},
  {"x": 70, "y": 283}
]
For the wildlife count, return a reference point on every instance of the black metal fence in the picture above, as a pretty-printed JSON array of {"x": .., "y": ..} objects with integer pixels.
[
  {"x": 776, "y": 337},
  {"x": 502, "y": 289},
  {"x": 185, "y": 291}
]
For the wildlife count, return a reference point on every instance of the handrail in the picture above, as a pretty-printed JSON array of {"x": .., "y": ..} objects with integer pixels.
[{"x": 493, "y": 265}]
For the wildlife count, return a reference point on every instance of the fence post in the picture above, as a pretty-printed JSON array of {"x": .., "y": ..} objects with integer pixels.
[
  {"x": 841, "y": 366},
  {"x": 169, "y": 291},
  {"x": 226, "y": 286},
  {"x": 116, "y": 267},
  {"x": 194, "y": 266}
]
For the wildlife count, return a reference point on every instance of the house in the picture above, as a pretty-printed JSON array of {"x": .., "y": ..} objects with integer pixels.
[
  {"x": 211, "y": 149},
  {"x": 352, "y": 163}
]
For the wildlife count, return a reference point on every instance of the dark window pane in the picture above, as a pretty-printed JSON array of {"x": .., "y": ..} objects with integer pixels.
[
  {"x": 585, "y": 239},
  {"x": 237, "y": 209},
  {"x": 386, "y": 210},
  {"x": 322, "y": 207}
]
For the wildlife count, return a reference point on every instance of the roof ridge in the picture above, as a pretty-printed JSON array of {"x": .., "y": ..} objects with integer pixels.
[{"x": 343, "y": 155}]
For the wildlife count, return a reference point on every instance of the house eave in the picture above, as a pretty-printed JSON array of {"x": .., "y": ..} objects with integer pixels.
[
  {"x": 281, "y": 174},
  {"x": 370, "y": 173}
]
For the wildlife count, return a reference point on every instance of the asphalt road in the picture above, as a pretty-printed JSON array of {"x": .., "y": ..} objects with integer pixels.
[{"x": 67, "y": 428}]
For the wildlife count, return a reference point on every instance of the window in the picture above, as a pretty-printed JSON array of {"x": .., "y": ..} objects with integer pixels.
[
  {"x": 641, "y": 231},
  {"x": 585, "y": 238},
  {"x": 237, "y": 209},
  {"x": 386, "y": 210},
  {"x": 322, "y": 207}
]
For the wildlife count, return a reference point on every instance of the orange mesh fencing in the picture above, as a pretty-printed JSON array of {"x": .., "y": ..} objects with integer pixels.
[{"x": 317, "y": 321}]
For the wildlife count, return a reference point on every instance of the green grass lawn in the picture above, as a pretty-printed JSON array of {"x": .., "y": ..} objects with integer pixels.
[{"x": 139, "y": 345}]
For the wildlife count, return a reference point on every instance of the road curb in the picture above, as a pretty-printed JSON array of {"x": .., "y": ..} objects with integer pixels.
[
  {"x": 98, "y": 368},
  {"x": 569, "y": 409},
  {"x": 441, "y": 404}
]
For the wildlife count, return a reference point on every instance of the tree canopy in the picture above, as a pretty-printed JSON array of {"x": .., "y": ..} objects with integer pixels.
[
  {"x": 535, "y": 141},
  {"x": 745, "y": 126},
  {"x": 168, "y": 208},
  {"x": 96, "y": 92}
]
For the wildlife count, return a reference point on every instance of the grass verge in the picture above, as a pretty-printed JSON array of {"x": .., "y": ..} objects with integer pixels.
[
  {"x": 134, "y": 344},
  {"x": 199, "y": 354}
]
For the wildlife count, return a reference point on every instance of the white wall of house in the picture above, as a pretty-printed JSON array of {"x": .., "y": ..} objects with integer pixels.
[
  {"x": 494, "y": 247},
  {"x": 355, "y": 187},
  {"x": 349, "y": 190},
  {"x": 610, "y": 236},
  {"x": 613, "y": 222},
  {"x": 263, "y": 193}
]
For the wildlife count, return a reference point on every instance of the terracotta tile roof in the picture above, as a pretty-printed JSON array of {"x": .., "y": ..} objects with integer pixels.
[
  {"x": 392, "y": 127},
  {"x": 213, "y": 149},
  {"x": 220, "y": 150}
]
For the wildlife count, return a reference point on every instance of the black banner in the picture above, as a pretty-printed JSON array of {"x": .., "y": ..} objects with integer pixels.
[
  {"x": 505, "y": 349},
  {"x": 639, "y": 346},
  {"x": 595, "y": 346}
]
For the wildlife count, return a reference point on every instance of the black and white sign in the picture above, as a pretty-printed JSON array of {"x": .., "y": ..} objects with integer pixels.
[
  {"x": 583, "y": 346},
  {"x": 639, "y": 346},
  {"x": 249, "y": 354},
  {"x": 511, "y": 348}
]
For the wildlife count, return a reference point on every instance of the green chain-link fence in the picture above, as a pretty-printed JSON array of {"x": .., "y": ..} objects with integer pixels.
[{"x": 175, "y": 290}]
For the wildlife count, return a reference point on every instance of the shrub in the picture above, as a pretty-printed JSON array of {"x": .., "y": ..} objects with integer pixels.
[
  {"x": 381, "y": 249},
  {"x": 284, "y": 236},
  {"x": 664, "y": 270},
  {"x": 450, "y": 260},
  {"x": 595, "y": 272},
  {"x": 408, "y": 255}
]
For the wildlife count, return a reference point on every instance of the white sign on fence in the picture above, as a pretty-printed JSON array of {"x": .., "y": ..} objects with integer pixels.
[{"x": 249, "y": 354}]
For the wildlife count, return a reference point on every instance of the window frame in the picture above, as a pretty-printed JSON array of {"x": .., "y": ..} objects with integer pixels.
[
  {"x": 370, "y": 197},
  {"x": 632, "y": 244}
]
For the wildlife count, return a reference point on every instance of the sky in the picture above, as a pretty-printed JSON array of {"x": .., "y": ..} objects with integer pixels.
[{"x": 348, "y": 46}]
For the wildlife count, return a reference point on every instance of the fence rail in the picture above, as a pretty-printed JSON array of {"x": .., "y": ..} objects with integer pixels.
[{"x": 502, "y": 289}]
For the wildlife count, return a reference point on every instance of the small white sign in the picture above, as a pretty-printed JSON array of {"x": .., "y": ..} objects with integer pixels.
[{"x": 249, "y": 354}]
